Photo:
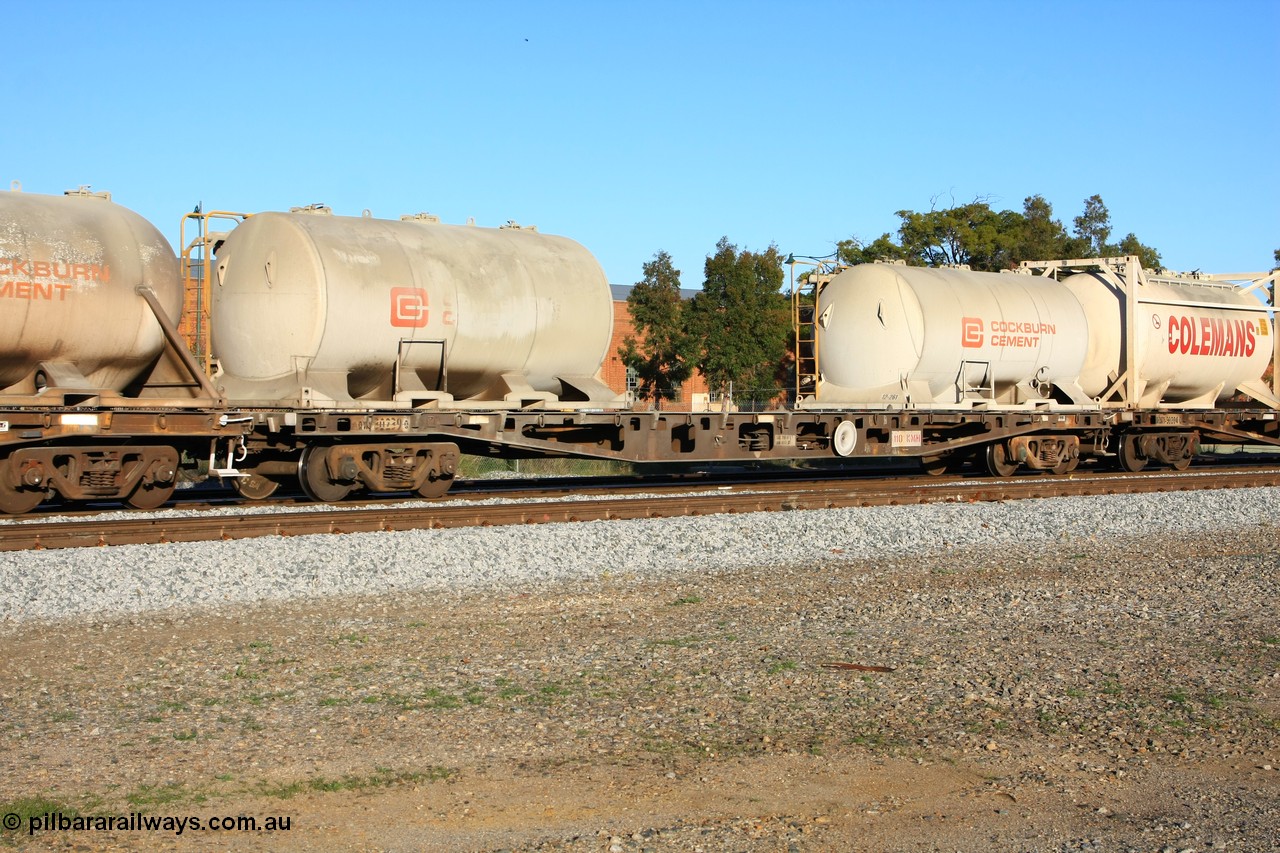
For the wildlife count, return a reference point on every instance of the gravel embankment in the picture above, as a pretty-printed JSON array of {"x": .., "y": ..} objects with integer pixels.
[
  {"x": 1059, "y": 676},
  {"x": 135, "y": 579},
  {"x": 1045, "y": 678}
]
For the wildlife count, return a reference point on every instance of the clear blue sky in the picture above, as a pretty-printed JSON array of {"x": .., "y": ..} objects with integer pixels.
[{"x": 635, "y": 127}]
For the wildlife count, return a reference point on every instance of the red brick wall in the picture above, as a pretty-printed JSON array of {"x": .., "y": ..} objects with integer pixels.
[{"x": 614, "y": 372}]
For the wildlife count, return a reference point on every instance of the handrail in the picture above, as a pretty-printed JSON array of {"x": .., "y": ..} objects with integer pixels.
[{"x": 197, "y": 293}]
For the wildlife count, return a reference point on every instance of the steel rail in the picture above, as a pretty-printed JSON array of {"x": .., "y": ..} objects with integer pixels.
[{"x": 139, "y": 529}]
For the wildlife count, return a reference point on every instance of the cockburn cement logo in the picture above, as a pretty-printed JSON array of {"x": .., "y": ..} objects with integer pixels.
[
  {"x": 408, "y": 307},
  {"x": 21, "y": 278},
  {"x": 1003, "y": 333}
]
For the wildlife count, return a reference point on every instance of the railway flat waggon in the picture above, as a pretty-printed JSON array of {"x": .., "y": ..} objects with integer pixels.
[{"x": 357, "y": 354}]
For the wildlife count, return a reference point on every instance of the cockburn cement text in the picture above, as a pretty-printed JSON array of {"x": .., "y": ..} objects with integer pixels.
[{"x": 48, "y": 280}]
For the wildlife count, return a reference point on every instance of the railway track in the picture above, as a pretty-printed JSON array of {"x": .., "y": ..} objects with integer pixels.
[{"x": 673, "y": 501}]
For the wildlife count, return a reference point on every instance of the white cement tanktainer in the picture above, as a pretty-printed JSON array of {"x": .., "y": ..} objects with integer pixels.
[
  {"x": 891, "y": 335},
  {"x": 328, "y": 310},
  {"x": 70, "y": 267},
  {"x": 1194, "y": 341}
]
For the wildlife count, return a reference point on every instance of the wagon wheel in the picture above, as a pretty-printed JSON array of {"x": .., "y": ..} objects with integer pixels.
[
  {"x": 435, "y": 488},
  {"x": 1188, "y": 446},
  {"x": 255, "y": 487},
  {"x": 14, "y": 499},
  {"x": 313, "y": 476},
  {"x": 1066, "y": 466},
  {"x": 935, "y": 465},
  {"x": 150, "y": 495},
  {"x": 998, "y": 462},
  {"x": 1129, "y": 458}
]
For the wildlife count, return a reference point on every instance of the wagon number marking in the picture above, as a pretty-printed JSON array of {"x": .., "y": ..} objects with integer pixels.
[{"x": 390, "y": 424}]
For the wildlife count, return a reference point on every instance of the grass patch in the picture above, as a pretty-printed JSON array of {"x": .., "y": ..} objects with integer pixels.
[
  {"x": 27, "y": 808},
  {"x": 1215, "y": 701},
  {"x": 436, "y": 698},
  {"x": 354, "y": 638},
  {"x": 382, "y": 777},
  {"x": 1049, "y": 721},
  {"x": 242, "y": 671}
]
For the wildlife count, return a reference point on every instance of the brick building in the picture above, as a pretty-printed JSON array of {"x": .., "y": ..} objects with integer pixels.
[{"x": 693, "y": 392}]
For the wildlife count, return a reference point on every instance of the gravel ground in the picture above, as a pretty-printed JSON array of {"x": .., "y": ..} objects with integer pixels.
[
  {"x": 1041, "y": 679},
  {"x": 138, "y": 579}
]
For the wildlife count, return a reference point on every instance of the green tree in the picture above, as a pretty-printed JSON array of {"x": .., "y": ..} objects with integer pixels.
[
  {"x": 1277, "y": 260},
  {"x": 854, "y": 251},
  {"x": 659, "y": 355},
  {"x": 740, "y": 324},
  {"x": 972, "y": 234},
  {"x": 1042, "y": 237},
  {"x": 985, "y": 239},
  {"x": 1092, "y": 228},
  {"x": 1149, "y": 257}
]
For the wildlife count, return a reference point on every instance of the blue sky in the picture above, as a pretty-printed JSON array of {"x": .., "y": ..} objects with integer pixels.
[{"x": 635, "y": 127}]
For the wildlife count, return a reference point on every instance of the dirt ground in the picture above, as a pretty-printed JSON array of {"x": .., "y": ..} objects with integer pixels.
[{"x": 1096, "y": 696}]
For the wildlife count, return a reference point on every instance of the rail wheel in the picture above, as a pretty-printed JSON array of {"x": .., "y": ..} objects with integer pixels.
[
  {"x": 935, "y": 466},
  {"x": 1182, "y": 450},
  {"x": 150, "y": 495},
  {"x": 1066, "y": 466},
  {"x": 998, "y": 462},
  {"x": 435, "y": 488},
  {"x": 255, "y": 487},
  {"x": 313, "y": 476},
  {"x": 1129, "y": 457},
  {"x": 15, "y": 500}
]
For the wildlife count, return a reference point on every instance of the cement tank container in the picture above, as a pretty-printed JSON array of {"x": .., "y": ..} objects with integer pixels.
[
  {"x": 1194, "y": 341},
  {"x": 327, "y": 308},
  {"x": 69, "y": 269},
  {"x": 891, "y": 334}
]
